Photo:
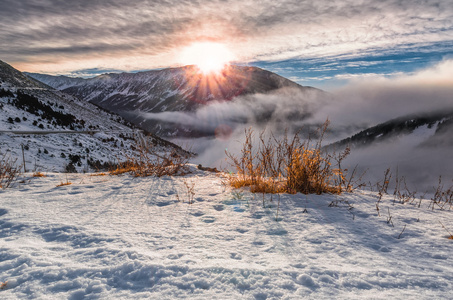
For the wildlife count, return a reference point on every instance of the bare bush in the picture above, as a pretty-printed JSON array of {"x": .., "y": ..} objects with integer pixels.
[
  {"x": 9, "y": 171},
  {"x": 443, "y": 197}
]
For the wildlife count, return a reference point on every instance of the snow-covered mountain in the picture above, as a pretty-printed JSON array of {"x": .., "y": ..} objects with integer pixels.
[
  {"x": 184, "y": 89},
  {"x": 416, "y": 146},
  {"x": 58, "y": 131},
  {"x": 433, "y": 128}
]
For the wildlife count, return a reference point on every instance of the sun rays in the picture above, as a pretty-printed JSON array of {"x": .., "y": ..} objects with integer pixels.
[{"x": 209, "y": 57}]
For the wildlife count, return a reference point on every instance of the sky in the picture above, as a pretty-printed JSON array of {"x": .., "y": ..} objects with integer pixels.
[{"x": 320, "y": 43}]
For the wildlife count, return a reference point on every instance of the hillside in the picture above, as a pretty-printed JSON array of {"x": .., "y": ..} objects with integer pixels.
[
  {"x": 417, "y": 147},
  {"x": 434, "y": 127},
  {"x": 139, "y": 96},
  {"x": 57, "y": 131}
]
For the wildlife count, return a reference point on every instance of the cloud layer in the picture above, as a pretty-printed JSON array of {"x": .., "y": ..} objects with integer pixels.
[{"x": 62, "y": 36}]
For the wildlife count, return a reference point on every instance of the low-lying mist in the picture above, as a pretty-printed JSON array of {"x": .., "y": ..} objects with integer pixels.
[{"x": 354, "y": 107}]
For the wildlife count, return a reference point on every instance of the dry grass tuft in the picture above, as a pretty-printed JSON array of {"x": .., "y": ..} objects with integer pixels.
[
  {"x": 190, "y": 191},
  {"x": 272, "y": 165},
  {"x": 149, "y": 161},
  {"x": 64, "y": 183},
  {"x": 39, "y": 174},
  {"x": 98, "y": 174},
  {"x": 9, "y": 171},
  {"x": 443, "y": 197}
]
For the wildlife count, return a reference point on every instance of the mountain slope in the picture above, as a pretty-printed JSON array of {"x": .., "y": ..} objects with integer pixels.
[
  {"x": 417, "y": 147},
  {"x": 183, "y": 89},
  {"x": 428, "y": 126},
  {"x": 56, "y": 130}
]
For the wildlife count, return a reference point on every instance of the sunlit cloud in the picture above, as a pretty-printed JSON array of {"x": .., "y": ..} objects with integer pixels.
[{"x": 128, "y": 35}]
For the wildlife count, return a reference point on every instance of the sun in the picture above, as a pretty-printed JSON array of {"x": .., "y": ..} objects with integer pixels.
[{"x": 209, "y": 57}]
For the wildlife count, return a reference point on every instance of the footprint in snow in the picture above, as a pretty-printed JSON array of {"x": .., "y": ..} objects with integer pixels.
[
  {"x": 75, "y": 192},
  {"x": 230, "y": 202},
  {"x": 163, "y": 203},
  {"x": 277, "y": 231},
  {"x": 235, "y": 256},
  {"x": 175, "y": 256},
  {"x": 219, "y": 207},
  {"x": 197, "y": 213},
  {"x": 238, "y": 209},
  {"x": 258, "y": 215},
  {"x": 208, "y": 219}
]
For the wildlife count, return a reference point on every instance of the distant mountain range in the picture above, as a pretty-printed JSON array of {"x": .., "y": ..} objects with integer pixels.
[
  {"x": 57, "y": 130},
  {"x": 185, "y": 89}
]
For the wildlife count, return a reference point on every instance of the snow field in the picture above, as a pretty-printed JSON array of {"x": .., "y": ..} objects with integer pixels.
[{"x": 119, "y": 237}]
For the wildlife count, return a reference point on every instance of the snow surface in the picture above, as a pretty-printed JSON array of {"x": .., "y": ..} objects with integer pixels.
[{"x": 106, "y": 237}]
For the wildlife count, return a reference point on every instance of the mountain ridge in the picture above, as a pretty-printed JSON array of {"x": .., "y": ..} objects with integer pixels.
[
  {"x": 440, "y": 121},
  {"x": 183, "y": 89}
]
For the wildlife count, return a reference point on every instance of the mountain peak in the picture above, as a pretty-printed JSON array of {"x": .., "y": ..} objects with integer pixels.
[{"x": 181, "y": 89}]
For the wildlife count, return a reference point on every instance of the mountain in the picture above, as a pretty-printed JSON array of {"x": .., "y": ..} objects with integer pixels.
[
  {"x": 137, "y": 96},
  {"x": 432, "y": 128},
  {"x": 415, "y": 148},
  {"x": 58, "y": 131}
]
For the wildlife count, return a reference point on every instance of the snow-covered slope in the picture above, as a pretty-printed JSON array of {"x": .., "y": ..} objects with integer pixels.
[
  {"x": 29, "y": 106},
  {"x": 182, "y": 89},
  {"x": 106, "y": 237},
  {"x": 417, "y": 147},
  {"x": 429, "y": 128}
]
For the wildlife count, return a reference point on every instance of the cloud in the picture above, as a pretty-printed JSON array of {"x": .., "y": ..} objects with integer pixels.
[
  {"x": 370, "y": 100},
  {"x": 360, "y": 104},
  {"x": 415, "y": 157},
  {"x": 39, "y": 35},
  {"x": 286, "y": 108}
]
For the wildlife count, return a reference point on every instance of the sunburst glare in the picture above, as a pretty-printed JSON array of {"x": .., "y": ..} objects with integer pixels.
[{"x": 209, "y": 57}]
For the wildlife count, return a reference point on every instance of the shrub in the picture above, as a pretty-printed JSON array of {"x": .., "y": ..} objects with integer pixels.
[
  {"x": 284, "y": 165},
  {"x": 9, "y": 171},
  {"x": 149, "y": 161}
]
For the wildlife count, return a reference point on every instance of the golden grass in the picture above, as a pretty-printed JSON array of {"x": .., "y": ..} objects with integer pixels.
[
  {"x": 272, "y": 165},
  {"x": 98, "y": 174},
  {"x": 148, "y": 161},
  {"x": 39, "y": 174},
  {"x": 64, "y": 183}
]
